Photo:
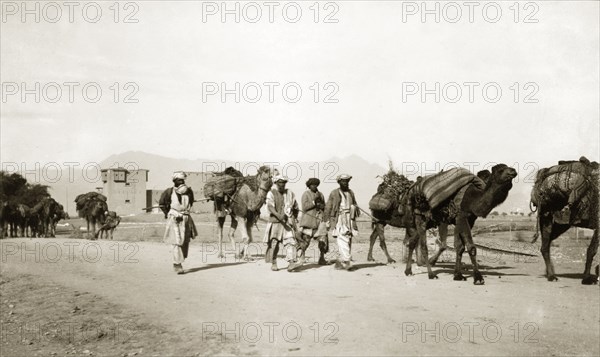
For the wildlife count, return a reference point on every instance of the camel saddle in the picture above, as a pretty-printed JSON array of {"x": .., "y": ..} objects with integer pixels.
[{"x": 439, "y": 187}]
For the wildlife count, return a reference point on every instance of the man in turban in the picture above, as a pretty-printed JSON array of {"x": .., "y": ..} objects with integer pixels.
[
  {"x": 341, "y": 209},
  {"x": 281, "y": 229},
  {"x": 176, "y": 203},
  {"x": 312, "y": 225}
]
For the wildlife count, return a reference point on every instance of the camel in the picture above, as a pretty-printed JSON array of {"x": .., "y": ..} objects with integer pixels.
[
  {"x": 92, "y": 207},
  {"x": 394, "y": 218},
  {"x": 4, "y": 211},
  {"x": 575, "y": 187},
  {"x": 45, "y": 210},
  {"x": 462, "y": 212},
  {"x": 22, "y": 216},
  {"x": 244, "y": 204},
  {"x": 11, "y": 217}
]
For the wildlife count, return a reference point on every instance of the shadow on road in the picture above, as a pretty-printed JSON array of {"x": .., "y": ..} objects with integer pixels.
[
  {"x": 366, "y": 265},
  {"x": 212, "y": 266}
]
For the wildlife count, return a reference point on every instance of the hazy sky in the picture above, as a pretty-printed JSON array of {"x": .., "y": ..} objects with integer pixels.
[{"x": 371, "y": 55}]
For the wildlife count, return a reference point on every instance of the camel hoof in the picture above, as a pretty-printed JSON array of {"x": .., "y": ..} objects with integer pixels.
[
  {"x": 370, "y": 259},
  {"x": 552, "y": 278},
  {"x": 478, "y": 279},
  {"x": 590, "y": 280},
  {"x": 459, "y": 277},
  {"x": 408, "y": 272},
  {"x": 391, "y": 261},
  {"x": 433, "y": 276}
]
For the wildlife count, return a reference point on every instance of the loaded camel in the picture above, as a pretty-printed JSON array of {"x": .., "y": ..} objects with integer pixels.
[
  {"x": 461, "y": 209},
  {"x": 462, "y": 212},
  {"x": 244, "y": 204},
  {"x": 92, "y": 207},
  {"x": 566, "y": 195},
  {"x": 394, "y": 216}
]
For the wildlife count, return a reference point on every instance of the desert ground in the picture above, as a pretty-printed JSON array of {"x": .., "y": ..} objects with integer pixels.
[{"x": 71, "y": 296}]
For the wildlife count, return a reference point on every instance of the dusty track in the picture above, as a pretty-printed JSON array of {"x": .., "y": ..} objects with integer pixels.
[{"x": 374, "y": 310}]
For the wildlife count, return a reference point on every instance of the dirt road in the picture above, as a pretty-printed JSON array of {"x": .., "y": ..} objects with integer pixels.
[{"x": 234, "y": 307}]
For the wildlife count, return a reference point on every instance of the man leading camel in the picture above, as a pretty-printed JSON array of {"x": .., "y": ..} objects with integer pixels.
[
  {"x": 176, "y": 203},
  {"x": 342, "y": 210},
  {"x": 311, "y": 223},
  {"x": 281, "y": 229}
]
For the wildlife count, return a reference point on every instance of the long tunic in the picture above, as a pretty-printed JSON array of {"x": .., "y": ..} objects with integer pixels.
[
  {"x": 281, "y": 204},
  {"x": 346, "y": 223},
  {"x": 311, "y": 214},
  {"x": 179, "y": 233}
]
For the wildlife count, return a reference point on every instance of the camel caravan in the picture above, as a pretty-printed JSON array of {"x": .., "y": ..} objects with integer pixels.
[
  {"x": 28, "y": 210},
  {"x": 564, "y": 196}
]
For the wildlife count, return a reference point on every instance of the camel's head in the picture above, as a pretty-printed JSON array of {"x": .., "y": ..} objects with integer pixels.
[
  {"x": 502, "y": 174},
  {"x": 265, "y": 177}
]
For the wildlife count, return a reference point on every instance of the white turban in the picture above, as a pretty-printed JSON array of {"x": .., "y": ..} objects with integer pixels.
[
  {"x": 280, "y": 178},
  {"x": 179, "y": 175}
]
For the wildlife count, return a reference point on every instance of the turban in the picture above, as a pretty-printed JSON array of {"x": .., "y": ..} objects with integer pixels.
[
  {"x": 313, "y": 181},
  {"x": 179, "y": 175},
  {"x": 344, "y": 177},
  {"x": 280, "y": 178}
]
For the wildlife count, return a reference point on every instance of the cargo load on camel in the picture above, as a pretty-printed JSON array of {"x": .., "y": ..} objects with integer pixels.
[
  {"x": 394, "y": 185},
  {"x": 84, "y": 198},
  {"x": 564, "y": 184},
  {"x": 223, "y": 183},
  {"x": 439, "y": 187}
]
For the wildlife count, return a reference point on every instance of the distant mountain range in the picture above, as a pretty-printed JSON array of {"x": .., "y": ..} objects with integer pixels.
[{"x": 364, "y": 182}]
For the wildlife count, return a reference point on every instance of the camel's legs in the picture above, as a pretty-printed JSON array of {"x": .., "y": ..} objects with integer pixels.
[
  {"x": 245, "y": 238},
  {"x": 372, "y": 239},
  {"x": 220, "y": 224},
  {"x": 379, "y": 231},
  {"x": 421, "y": 225},
  {"x": 93, "y": 228},
  {"x": 459, "y": 247},
  {"x": 231, "y": 234},
  {"x": 588, "y": 278},
  {"x": 549, "y": 232},
  {"x": 412, "y": 239},
  {"x": 443, "y": 232},
  {"x": 463, "y": 226}
]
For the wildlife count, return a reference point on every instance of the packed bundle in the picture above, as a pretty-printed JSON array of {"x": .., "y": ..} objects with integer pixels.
[
  {"x": 223, "y": 183},
  {"x": 566, "y": 183},
  {"x": 82, "y": 200},
  {"x": 393, "y": 186}
]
